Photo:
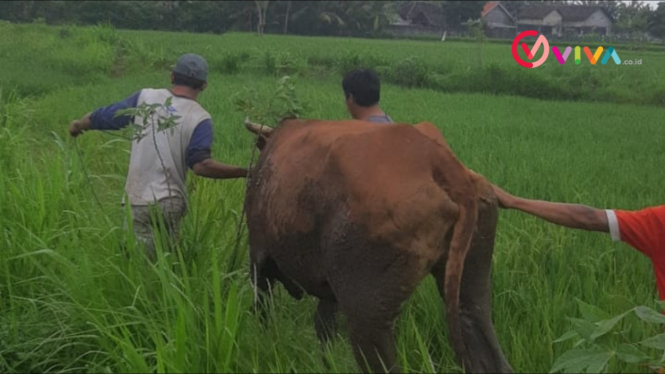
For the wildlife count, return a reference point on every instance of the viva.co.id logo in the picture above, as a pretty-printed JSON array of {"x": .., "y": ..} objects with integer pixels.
[{"x": 541, "y": 41}]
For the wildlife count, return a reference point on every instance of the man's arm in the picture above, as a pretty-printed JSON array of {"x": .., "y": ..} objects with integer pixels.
[
  {"x": 210, "y": 168},
  {"x": 104, "y": 118},
  {"x": 570, "y": 215},
  {"x": 199, "y": 157}
]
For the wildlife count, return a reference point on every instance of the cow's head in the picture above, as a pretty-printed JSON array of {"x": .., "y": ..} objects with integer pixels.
[{"x": 262, "y": 131}]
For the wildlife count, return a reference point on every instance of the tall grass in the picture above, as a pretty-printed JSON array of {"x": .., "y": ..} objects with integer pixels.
[
  {"x": 71, "y": 300},
  {"x": 82, "y": 55}
]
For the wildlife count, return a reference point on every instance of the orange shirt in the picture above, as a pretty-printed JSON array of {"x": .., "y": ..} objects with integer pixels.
[{"x": 643, "y": 230}]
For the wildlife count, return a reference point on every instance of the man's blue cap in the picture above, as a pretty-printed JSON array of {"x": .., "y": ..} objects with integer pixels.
[{"x": 193, "y": 66}]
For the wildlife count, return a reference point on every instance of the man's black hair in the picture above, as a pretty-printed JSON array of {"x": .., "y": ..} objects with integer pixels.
[
  {"x": 363, "y": 85},
  {"x": 183, "y": 80}
]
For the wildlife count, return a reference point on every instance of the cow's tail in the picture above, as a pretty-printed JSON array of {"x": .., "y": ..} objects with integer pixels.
[
  {"x": 459, "y": 247},
  {"x": 453, "y": 177}
]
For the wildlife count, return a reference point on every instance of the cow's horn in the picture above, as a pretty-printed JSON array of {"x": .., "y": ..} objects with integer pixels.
[{"x": 258, "y": 129}]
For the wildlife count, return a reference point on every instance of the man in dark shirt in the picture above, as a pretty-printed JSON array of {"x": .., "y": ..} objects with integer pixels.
[{"x": 362, "y": 90}]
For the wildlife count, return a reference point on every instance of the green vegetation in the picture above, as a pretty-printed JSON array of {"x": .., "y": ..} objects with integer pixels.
[
  {"x": 87, "y": 55},
  {"x": 70, "y": 300}
]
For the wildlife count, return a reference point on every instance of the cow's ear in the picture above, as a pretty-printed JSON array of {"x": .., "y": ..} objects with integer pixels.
[{"x": 261, "y": 142}]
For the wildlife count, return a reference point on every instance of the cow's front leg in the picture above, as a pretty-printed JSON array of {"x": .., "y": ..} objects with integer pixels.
[{"x": 262, "y": 279}]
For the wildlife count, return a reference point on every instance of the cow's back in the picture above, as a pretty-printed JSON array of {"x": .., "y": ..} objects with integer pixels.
[{"x": 318, "y": 181}]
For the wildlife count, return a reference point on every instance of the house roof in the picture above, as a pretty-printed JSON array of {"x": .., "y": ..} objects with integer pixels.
[
  {"x": 488, "y": 6},
  {"x": 493, "y": 4},
  {"x": 432, "y": 13},
  {"x": 536, "y": 11},
  {"x": 569, "y": 13},
  {"x": 573, "y": 13}
]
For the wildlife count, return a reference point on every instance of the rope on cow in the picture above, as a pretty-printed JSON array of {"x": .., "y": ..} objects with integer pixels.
[{"x": 239, "y": 230}]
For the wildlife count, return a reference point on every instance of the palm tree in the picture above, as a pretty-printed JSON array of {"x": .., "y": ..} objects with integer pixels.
[{"x": 343, "y": 17}]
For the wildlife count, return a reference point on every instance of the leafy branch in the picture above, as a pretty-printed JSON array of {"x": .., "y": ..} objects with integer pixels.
[
  {"x": 153, "y": 118},
  {"x": 149, "y": 115},
  {"x": 280, "y": 104},
  {"x": 594, "y": 348}
]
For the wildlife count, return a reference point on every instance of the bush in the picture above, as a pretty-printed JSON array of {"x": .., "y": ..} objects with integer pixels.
[
  {"x": 283, "y": 63},
  {"x": 410, "y": 72},
  {"x": 65, "y": 33},
  {"x": 348, "y": 62},
  {"x": 229, "y": 64},
  {"x": 288, "y": 64},
  {"x": 325, "y": 61},
  {"x": 270, "y": 63}
]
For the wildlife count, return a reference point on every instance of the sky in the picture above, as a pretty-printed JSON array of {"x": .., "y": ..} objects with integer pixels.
[{"x": 652, "y": 4}]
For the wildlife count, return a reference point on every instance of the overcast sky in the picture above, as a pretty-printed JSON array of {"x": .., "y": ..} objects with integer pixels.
[{"x": 652, "y": 4}]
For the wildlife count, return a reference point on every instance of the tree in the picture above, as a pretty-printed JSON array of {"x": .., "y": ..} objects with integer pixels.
[
  {"x": 633, "y": 15},
  {"x": 341, "y": 18},
  {"x": 477, "y": 29},
  {"x": 208, "y": 16},
  {"x": 632, "y": 18},
  {"x": 656, "y": 24},
  {"x": 262, "y": 8},
  {"x": 286, "y": 17},
  {"x": 514, "y": 7},
  {"x": 458, "y": 13}
]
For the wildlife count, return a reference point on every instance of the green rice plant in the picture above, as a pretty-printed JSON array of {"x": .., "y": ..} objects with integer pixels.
[
  {"x": 410, "y": 72},
  {"x": 76, "y": 294},
  {"x": 598, "y": 345},
  {"x": 230, "y": 64}
]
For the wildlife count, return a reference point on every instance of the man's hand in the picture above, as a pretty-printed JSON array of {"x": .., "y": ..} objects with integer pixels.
[
  {"x": 506, "y": 200},
  {"x": 78, "y": 126},
  {"x": 75, "y": 128}
]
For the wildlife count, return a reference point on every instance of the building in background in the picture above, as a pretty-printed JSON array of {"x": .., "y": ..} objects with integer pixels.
[
  {"x": 419, "y": 18},
  {"x": 565, "y": 19},
  {"x": 499, "y": 22}
]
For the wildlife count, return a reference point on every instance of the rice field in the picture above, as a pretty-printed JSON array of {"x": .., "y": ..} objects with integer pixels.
[{"x": 71, "y": 301}]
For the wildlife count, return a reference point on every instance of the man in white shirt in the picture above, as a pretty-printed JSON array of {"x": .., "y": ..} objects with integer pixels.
[{"x": 158, "y": 164}]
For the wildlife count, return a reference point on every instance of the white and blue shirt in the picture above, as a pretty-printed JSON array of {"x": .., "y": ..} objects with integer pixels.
[{"x": 149, "y": 178}]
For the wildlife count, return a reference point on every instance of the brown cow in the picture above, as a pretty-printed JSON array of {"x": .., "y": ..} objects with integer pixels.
[{"x": 357, "y": 214}]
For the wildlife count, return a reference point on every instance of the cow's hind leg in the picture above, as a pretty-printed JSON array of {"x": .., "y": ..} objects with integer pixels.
[
  {"x": 324, "y": 320},
  {"x": 476, "y": 298},
  {"x": 370, "y": 296}
]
